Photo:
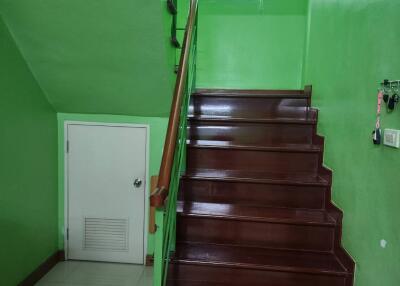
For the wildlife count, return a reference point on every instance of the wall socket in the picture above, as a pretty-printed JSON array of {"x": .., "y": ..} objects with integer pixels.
[{"x": 392, "y": 138}]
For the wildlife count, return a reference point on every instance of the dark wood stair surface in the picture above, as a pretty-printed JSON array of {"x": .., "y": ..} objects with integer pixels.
[
  {"x": 262, "y": 194},
  {"x": 251, "y": 93},
  {"x": 258, "y": 258},
  {"x": 260, "y": 177},
  {"x": 251, "y": 132},
  {"x": 255, "y": 213},
  {"x": 217, "y": 144},
  {"x": 254, "y": 204},
  {"x": 256, "y": 105},
  {"x": 277, "y": 120}
]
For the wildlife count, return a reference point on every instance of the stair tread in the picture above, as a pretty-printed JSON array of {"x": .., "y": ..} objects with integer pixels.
[
  {"x": 248, "y": 93},
  {"x": 281, "y": 120},
  {"x": 218, "y": 144},
  {"x": 196, "y": 283},
  {"x": 261, "y": 110},
  {"x": 255, "y": 213},
  {"x": 258, "y": 258},
  {"x": 259, "y": 177}
]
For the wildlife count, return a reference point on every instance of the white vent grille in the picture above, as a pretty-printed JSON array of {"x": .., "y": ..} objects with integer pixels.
[{"x": 106, "y": 234}]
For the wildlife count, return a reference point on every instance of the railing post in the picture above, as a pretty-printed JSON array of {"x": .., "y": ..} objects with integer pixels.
[
  {"x": 164, "y": 196},
  {"x": 158, "y": 249}
]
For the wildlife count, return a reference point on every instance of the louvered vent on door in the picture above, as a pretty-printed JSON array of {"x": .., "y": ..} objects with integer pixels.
[{"x": 106, "y": 234}]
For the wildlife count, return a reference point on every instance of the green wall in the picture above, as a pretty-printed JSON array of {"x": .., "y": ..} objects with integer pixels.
[
  {"x": 28, "y": 168},
  {"x": 114, "y": 57},
  {"x": 157, "y": 127},
  {"x": 98, "y": 60},
  {"x": 251, "y": 44},
  {"x": 97, "y": 56},
  {"x": 354, "y": 45}
]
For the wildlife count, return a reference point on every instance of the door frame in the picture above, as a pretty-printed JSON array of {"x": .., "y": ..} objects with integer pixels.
[{"x": 146, "y": 182}]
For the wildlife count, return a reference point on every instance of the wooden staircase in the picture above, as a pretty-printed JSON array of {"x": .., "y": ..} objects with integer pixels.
[{"x": 255, "y": 205}]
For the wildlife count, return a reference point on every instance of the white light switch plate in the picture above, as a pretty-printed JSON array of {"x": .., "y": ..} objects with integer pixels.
[{"x": 392, "y": 138}]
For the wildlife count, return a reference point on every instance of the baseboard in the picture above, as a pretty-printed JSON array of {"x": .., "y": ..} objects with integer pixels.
[
  {"x": 43, "y": 269},
  {"x": 149, "y": 260}
]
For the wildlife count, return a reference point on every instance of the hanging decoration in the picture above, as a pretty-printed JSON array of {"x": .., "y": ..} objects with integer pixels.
[{"x": 389, "y": 94}]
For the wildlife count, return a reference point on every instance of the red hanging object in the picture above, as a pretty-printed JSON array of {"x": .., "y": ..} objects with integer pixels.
[{"x": 377, "y": 133}]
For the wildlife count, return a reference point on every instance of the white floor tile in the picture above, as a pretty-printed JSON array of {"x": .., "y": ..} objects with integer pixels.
[
  {"x": 60, "y": 272},
  {"x": 146, "y": 279},
  {"x": 79, "y": 273}
]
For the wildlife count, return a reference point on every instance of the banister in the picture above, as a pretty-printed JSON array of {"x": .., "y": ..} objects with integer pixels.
[{"x": 159, "y": 195}]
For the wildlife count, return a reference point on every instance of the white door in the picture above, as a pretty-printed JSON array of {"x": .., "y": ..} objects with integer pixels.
[{"x": 106, "y": 171}]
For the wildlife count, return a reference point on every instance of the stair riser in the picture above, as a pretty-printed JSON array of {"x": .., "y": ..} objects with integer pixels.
[
  {"x": 254, "y": 277},
  {"x": 242, "y": 107},
  {"x": 252, "y": 194},
  {"x": 252, "y": 160},
  {"x": 262, "y": 234},
  {"x": 266, "y": 134}
]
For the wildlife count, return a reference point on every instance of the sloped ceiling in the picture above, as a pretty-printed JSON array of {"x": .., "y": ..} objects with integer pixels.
[{"x": 97, "y": 56}]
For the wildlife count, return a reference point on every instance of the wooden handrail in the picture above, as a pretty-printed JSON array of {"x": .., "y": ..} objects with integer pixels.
[{"x": 161, "y": 192}]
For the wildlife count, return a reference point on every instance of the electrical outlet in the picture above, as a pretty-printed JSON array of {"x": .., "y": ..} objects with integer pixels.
[{"x": 392, "y": 138}]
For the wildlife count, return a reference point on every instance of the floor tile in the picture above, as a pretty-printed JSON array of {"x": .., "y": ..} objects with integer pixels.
[
  {"x": 147, "y": 277},
  {"x": 61, "y": 272},
  {"x": 79, "y": 273}
]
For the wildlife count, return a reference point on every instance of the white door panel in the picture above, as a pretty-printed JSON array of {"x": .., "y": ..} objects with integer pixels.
[{"x": 105, "y": 210}]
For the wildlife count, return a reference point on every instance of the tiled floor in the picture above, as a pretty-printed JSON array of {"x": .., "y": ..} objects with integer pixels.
[{"x": 77, "y": 273}]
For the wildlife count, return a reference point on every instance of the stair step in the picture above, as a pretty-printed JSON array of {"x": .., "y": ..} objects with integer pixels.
[
  {"x": 221, "y": 265},
  {"x": 256, "y": 177},
  {"x": 242, "y": 107},
  {"x": 252, "y": 193},
  {"x": 250, "y": 132},
  {"x": 280, "y": 109},
  {"x": 194, "y": 283},
  {"x": 216, "y": 144},
  {"x": 255, "y": 213},
  {"x": 276, "y": 120},
  {"x": 258, "y": 258},
  {"x": 260, "y": 227},
  {"x": 251, "y": 104},
  {"x": 252, "y": 159},
  {"x": 202, "y": 274},
  {"x": 251, "y": 93}
]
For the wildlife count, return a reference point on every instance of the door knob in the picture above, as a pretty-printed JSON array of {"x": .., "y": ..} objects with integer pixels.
[{"x": 137, "y": 183}]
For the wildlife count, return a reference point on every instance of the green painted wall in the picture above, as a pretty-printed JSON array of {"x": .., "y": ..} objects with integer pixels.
[
  {"x": 354, "y": 45},
  {"x": 157, "y": 126},
  {"x": 101, "y": 57},
  {"x": 251, "y": 44},
  {"x": 28, "y": 168},
  {"x": 97, "y": 56}
]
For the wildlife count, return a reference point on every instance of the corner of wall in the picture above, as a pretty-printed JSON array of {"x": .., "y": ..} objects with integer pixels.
[{"x": 10, "y": 30}]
